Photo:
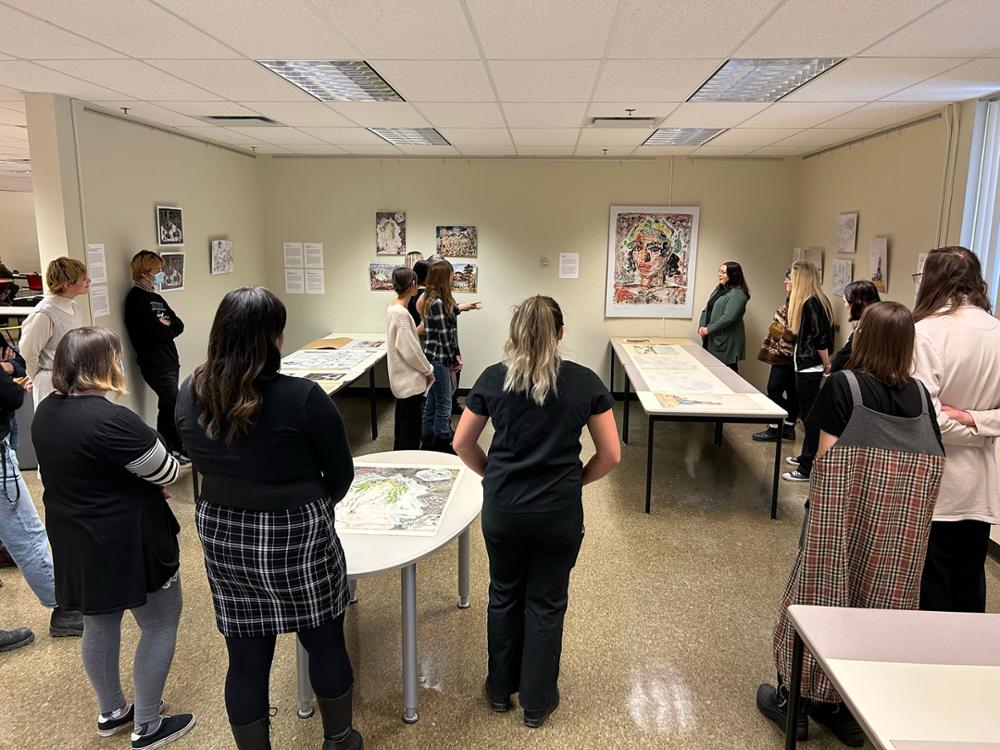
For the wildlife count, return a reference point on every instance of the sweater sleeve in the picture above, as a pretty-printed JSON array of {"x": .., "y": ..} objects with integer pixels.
[
  {"x": 409, "y": 345},
  {"x": 736, "y": 307},
  {"x": 927, "y": 368},
  {"x": 326, "y": 433},
  {"x": 35, "y": 334},
  {"x": 176, "y": 324},
  {"x": 142, "y": 323}
]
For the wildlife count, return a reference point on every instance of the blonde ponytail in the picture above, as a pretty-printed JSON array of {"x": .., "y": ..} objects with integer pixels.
[{"x": 532, "y": 349}]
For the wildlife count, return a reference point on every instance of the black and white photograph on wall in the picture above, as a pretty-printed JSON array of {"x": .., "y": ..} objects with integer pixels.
[
  {"x": 173, "y": 272},
  {"x": 222, "y": 256},
  {"x": 169, "y": 226}
]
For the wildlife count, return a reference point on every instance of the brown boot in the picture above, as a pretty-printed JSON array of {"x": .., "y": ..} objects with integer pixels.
[{"x": 338, "y": 733}]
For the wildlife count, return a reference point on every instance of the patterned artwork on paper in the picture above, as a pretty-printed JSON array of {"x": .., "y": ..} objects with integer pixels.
[
  {"x": 380, "y": 276},
  {"x": 466, "y": 278},
  {"x": 847, "y": 232},
  {"x": 169, "y": 226},
  {"x": 173, "y": 272},
  {"x": 652, "y": 252},
  {"x": 815, "y": 256},
  {"x": 390, "y": 233},
  {"x": 878, "y": 251},
  {"x": 222, "y": 256},
  {"x": 843, "y": 274},
  {"x": 396, "y": 499},
  {"x": 458, "y": 242}
]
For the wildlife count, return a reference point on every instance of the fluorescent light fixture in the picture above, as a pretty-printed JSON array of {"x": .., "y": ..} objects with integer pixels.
[
  {"x": 761, "y": 80},
  {"x": 21, "y": 166},
  {"x": 335, "y": 80},
  {"x": 682, "y": 136},
  {"x": 411, "y": 136}
]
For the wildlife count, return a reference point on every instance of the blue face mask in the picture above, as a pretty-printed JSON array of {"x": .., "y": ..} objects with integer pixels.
[{"x": 159, "y": 278}]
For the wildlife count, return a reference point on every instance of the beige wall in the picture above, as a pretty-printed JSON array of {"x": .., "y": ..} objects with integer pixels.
[{"x": 18, "y": 237}]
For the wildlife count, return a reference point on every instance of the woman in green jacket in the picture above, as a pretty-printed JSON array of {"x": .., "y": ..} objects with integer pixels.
[{"x": 721, "y": 323}]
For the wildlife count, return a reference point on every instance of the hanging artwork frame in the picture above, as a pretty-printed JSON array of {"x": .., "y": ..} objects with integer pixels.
[{"x": 390, "y": 232}]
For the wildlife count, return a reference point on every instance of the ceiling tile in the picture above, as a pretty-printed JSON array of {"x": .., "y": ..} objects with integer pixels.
[
  {"x": 216, "y": 133},
  {"x": 653, "y": 80},
  {"x": 239, "y": 80},
  {"x": 798, "y": 114},
  {"x": 16, "y": 183},
  {"x": 135, "y": 27},
  {"x": 28, "y": 76},
  {"x": 313, "y": 114},
  {"x": 822, "y": 137},
  {"x": 532, "y": 30},
  {"x": 712, "y": 114},
  {"x": 385, "y": 149},
  {"x": 711, "y": 149},
  {"x": 814, "y": 28},
  {"x": 866, "y": 79},
  {"x": 544, "y": 137},
  {"x": 430, "y": 150},
  {"x": 381, "y": 114},
  {"x": 545, "y": 150},
  {"x": 132, "y": 77},
  {"x": 437, "y": 80},
  {"x": 664, "y": 150},
  {"x": 10, "y": 95},
  {"x": 24, "y": 36},
  {"x": 882, "y": 114},
  {"x": 476, "y": 136},
  {"x": 403, "y": 29},
  {"x": 203, "y": 109},
  {"x": 278, "y": 135},
  {"x": 977, "y": 78},
  {"x": 753, "y": 136},
  {"x": 698, "y": 28},
  {"x": 548, "y": 81},
  {"x": 606, "y": 137},
  {"x": 5, "y": 57},
  {"x": 149, "y": 113},
  {"x": 15, "y": 132},
  {"x": 487, "y": 150},
  {"x": 781, "y": 151},
  {"x": 318, "y": 150},
  {"x": 264, "y": 29},
  {"x": 605, "y": 152},
  {"x": 345, "y": 136},
  {"x": 470, "y": 115},
  {"x": 545, "y": 114},
  {"x": 617, "y": 109},
  {"x": 961, "y": 28},
  {"x": 12, "y": 117}
]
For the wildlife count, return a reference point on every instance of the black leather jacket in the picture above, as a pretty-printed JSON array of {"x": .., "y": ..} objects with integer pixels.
[{"x": 815, "y": 333}]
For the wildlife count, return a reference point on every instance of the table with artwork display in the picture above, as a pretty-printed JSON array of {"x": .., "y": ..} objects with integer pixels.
[
  {"x": 401, "y": 507},
  {"x": 678, "y": 381}
]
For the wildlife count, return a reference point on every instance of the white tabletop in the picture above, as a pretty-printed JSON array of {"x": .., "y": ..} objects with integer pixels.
[
  {"x": 346, "y": 377},
  {"x": 16, "y": 311},
  {"x": 368, "y": 554}
]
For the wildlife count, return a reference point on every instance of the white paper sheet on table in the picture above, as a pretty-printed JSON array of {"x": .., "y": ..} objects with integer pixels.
[{"x": 338, "y": 360}]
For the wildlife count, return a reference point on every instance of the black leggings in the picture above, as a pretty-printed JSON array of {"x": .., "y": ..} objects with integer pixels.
[{"x": 250, "y": 670}]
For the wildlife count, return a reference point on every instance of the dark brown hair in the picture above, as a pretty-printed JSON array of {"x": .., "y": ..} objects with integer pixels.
[
  {"x": 883, "y": 343},
  {"x": 88, "y": 359},
  {"x": 736, "y": 278},
  {"x": 860, "y": 294},
  {"x": 951, "y": 277},
  {"x": 242, "y": 347},
  {"x": 403, "y": 278}
]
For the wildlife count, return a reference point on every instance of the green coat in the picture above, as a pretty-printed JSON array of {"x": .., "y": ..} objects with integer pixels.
[{"x": 726, "y": 339}]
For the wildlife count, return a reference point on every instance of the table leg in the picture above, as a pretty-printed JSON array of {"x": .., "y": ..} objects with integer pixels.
[
  {"x": 409, "y": 597},
  {"x": 625, "y": 411},
  {"x": 352, "y": 590},
  {"x": 371, "y": 393},
  {"x": 649, "y": 461},
  {"x": 794, "y": 692},
  {"x": 464, "y": 547},
  {"x": 776, "y": 479},
  {"x": 195, "y": 484},
  {"x": 718, "y": 434},
  {"x": 302, "y": 677}
]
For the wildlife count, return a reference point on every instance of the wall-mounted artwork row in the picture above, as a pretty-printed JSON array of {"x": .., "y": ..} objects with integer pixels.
[
  {"x": 390, "y": 233},
  {"x": 652, "y": 255},
  {"x": 847, "y": 232},
  {"x": 169, "y": 226},
  {"x": 843, "y": 274},
  {"x": 465, "y": 278},
  {"x": 173, "y": 272},
  {"x": 813, "y": 254},
  {"x": 458, "y": 242},
  {"x": 222, "y": 256},
  {"x": 380, "y": 276}
]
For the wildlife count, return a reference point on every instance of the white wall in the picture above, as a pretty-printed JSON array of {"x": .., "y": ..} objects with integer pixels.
[{"x": 18, "y": 237}]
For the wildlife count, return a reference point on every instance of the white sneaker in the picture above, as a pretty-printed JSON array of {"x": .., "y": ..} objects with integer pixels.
[
  {"x": 792, "y": 460},
  {"x": 794, "y": 476}
]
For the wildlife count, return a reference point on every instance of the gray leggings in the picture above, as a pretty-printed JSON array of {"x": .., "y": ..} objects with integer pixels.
[{"x": 102, "y": 635}]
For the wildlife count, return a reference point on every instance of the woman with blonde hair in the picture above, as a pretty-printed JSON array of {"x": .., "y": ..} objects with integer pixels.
[
  {"x": 532, "y": 491},
  {"x": 410, "y": 259},
  {"x": 810, "y": 318}
]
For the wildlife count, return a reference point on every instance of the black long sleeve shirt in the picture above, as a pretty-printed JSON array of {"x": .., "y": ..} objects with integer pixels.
[{"x": 152, "y": 340}]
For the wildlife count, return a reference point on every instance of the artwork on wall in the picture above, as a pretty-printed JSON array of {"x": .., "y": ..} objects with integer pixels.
[
  {"x": 222, "y": 256},
  {"x": 878, "y": 249},
  {"x": 815, "y": 256},
  {"x": 847, "y": 232},
  {"x": 458, "y": 242},
  {"x": 169, "y": 226},
  {"x": 390, "y": 233},
  {"x": 652, "y": 254},
  {"x": 380, "y": 276},
  {"x": 843, "y": 274},
  {"x": 173, "y": 272},
  {"x": 465, "y": 278}
]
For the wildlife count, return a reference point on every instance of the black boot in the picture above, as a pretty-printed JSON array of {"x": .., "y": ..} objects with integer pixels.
[
  {"x": 770, "y": 435},
  {"x": 428, "y": 442},
  {"x": 256, "y": 736},
  {"x": 338, "y": 734},
  {"x": 773, "y": 703},
  {"x": 63, "y": 623},
  {"x": 787, "y": 431},
  {"x": 838, "y": 719}
]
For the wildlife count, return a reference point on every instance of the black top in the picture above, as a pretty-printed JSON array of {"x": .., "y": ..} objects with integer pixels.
[
  {"x": 815, "y": 333},
  {"x": 719, "y": 291},
  {"x": 534, "y": 460},
  {"x": 153, "y": 341},
  {"x": 835, "y": 403},
  {"x": 296, "y": 452},
  {"x": 412, "y": 306},
  {"x": 11, "y": 398},
  {"x": 841, "y": 358},
  {"x": 113, "y": 536}
]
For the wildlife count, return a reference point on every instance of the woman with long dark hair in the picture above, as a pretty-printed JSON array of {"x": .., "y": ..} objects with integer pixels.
[
  {"x": 721, "y": 322},
  {"x": 857, "y": 296},
  {"x": 274, "y": 457}
]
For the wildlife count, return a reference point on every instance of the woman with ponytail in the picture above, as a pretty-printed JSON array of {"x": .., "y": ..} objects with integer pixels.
[{"x": 532, "y": 498}]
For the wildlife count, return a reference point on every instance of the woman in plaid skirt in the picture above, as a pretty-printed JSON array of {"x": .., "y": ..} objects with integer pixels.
[{"x": 275, "y": 460}]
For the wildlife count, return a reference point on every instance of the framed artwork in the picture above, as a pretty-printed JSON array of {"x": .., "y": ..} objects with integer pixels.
[
  {"x": 843, "y": 274},
  {"x": 465, "y": 278},
  {"x": 380, "y": 276},
  {"x": 652, "y": 253},
  {"x": 222, "y": 256},
  {"x": 847, "y": 232},
  {"x": 173, "y": 272},
  {"x": 815, "y": 256},
  {"x": 878, "y": 250},
  {"x": 458, "y": 242},
  {"x": 390, "y": 233},
  {"x": 169, "y": 226}
]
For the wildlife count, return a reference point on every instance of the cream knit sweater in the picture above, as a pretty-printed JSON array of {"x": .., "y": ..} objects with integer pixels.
[{"x": 405, "y": 356}]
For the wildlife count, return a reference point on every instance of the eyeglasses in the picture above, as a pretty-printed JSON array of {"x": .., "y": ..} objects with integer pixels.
[{"x": 916, "y": 276}]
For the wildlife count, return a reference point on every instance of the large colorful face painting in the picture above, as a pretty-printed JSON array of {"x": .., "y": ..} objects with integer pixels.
[{"x": 651, "y": 261}]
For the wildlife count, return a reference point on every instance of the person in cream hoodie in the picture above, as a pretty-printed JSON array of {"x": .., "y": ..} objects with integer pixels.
[{"x": 410, "y": 374}]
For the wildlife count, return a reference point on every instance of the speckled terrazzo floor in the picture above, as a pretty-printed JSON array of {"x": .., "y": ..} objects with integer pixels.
[{"x": 667, "y": 634}]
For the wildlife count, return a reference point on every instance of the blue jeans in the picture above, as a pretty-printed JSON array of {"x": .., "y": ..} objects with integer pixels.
[
  {"x": 22, "y": 531},
  {"x": 437, "y": 407}
]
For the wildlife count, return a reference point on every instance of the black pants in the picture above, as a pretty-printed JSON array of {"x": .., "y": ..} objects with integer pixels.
[
  {"x": 250, "y": 670},
  {"x": 954, "y": 578},
  {"x": 531, "y": 556},
  {"x": 781, "y": 390},
  {"x": 409, "y": 414},
  {"x": 807, "y": 384},
  {"x": 164, "y": 385}
]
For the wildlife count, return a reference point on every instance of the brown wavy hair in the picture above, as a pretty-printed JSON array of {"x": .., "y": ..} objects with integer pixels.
[
  {"x": 242, "y": 348},
  {"x": 438, "y": 287},
  {"x": 952, "y": 277},
  {"x": 883, "y": 343},
  {"x": 87, "y": 359}
]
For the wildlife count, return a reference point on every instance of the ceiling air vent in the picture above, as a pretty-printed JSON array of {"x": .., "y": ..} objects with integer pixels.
[
  {"x": 640, "y": 123},
  {"x": 246, "y": 121}
]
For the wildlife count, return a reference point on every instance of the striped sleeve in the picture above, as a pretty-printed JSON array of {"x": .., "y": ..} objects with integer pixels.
[{"x": 155, "y": 465}]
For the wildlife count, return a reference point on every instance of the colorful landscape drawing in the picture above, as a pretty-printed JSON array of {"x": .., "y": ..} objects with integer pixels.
[
  {"x": 466, "y": 278},
  {"x": 458, "y": 242},
  {"x": 878, "y": 251},
  {"x": 390, "y": 233},
  {"x": 380, "y": 276}
]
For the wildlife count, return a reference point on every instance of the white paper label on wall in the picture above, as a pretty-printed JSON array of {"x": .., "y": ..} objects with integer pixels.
[
  {"x": 97, "y": 267},
  {"x": 569, "y": 265},
  {"x": 293, "y": 254},
  {"x": 313, "y": 254},
  {"x": 315, "y": 281},
  {"x": 294, "y": 281},
  {"x": 100, "y": 304}
]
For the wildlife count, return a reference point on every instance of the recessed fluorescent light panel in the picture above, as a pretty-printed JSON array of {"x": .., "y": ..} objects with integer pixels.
[
  {"x": 411, "y": 136},
  {"x": 21, "y": 166},
  {"x": 335, "y": 80},
  {"x": 682, "y": 136},
  {"x": 761, "y": 80}
]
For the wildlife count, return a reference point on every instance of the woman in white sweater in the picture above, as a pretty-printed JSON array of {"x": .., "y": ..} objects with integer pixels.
[
  {"x": 410, "y": 374},
  {"x": 957, "y": 356}
]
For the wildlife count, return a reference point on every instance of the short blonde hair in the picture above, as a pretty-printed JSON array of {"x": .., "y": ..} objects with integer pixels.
[
  {"x": 143, "y": 262},
  {"x": 64, "y": 272},
  {"x": 88, "y": 359}
]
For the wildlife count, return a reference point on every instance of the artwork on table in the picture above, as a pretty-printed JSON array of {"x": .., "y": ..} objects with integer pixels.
[
  {"x": 843, "y": 274},
  {"x": 878, "y": 251},
  {"x": 380, "y": 276},
  {"x": 458, "y": 242},
  {"x": 222, "y": 256},
  {"x": 397, "y": 499},
  {"x": 652, "y": 254},
  {"x": 173, "y": 272},
  {"x": 169, "y": 226},
  {"x": 328, "y": 360},
  {"x": 390, "y": 233},
  {"x": 465, "y": 278},
  {"x": 847, "y": 232}
]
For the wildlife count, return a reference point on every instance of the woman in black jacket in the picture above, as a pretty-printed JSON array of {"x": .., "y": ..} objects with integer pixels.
[{"x": 857, "y": 296}]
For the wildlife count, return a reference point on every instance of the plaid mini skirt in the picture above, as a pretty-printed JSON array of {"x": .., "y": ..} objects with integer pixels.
[{"x": 272, "y": 572}]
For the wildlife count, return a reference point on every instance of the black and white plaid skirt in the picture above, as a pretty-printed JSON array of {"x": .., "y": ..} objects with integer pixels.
[{"x": 273, "y": 571}]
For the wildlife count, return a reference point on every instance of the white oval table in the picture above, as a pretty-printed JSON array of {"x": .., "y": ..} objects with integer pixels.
[{"x": 370, "y": 554}]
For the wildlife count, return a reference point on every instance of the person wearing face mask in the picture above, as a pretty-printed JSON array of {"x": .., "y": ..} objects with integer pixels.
[{"x": 152, "y": 327}]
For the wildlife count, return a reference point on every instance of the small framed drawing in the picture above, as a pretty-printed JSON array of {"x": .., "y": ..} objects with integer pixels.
[
  {"x": 879, "y": 251},
  {"x": 847, "y": 232},
  {"x": 222, "y": 256},
  {"x": 169, "y": 226},
  {"x": 173, "y": 272},
  {"x": 843, "y": 273}
]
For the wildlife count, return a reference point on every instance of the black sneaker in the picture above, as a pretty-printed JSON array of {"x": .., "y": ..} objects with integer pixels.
[
  {"x": 788, "y": 432},
  {"x": 171, "y": 728},
  {"x": 770, "y": 435},
  {"x": 15, "y": 639},
  {"x": 498, "y": 705},
  {"x": 792, "y": 460},
  {"x": 117, "y": 721},
  {"x": 794, "y": 476},
  {"x": 534, "y": 719},
  {"x": 63, "y": 624},
  {"x": 838, "y": 719},
  {"x": 777, "y": 711}
]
